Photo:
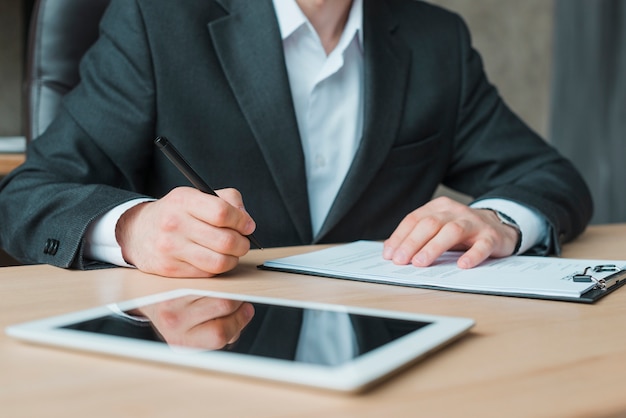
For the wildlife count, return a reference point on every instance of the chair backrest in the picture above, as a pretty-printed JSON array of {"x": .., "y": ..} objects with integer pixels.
[{"x": 60, "y": 33}]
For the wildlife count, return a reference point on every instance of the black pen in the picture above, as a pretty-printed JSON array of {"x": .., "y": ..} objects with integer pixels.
[{"x": 183, "y": 166}]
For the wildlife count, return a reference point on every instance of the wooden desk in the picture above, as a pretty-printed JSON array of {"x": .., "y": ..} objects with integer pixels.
[
  {"x": 9, "y": 161},
  {"x": 524, "y": 358}
]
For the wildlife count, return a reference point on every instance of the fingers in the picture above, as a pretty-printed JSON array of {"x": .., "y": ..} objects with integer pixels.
[
  {"x": 222, "y": 325},
  {"x": 200, "y": 322},
  {"x": 476, "y": 254},
  {"x": 442, "y": 225},
  {"x": 187, "y": 233},
  {"x": 413, "y": 233},
  {"x": 227, "y": 211}
]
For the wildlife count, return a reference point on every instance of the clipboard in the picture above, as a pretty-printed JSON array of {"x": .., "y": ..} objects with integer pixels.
[
  {"x": 603, "y": 286},
  {"x": 550, "y": 278}
]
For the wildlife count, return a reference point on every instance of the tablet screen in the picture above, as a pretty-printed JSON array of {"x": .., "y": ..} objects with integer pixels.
[{"x": 317, "y": 336}]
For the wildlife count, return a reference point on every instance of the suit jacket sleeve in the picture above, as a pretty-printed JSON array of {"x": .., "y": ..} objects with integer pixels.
[
  {"x": 79, "y": 168},
  {"x": 498, "y": 156}
]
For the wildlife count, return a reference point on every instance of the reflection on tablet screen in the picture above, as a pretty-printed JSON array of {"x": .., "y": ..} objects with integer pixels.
[{"x": 322, "y": 337}]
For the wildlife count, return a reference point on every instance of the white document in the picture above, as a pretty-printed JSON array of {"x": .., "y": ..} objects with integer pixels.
[{"x": 523, "y": 275}]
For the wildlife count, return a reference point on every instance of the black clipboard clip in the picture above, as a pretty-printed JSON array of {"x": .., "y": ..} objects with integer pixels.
[{"x": 601, "y": 283}]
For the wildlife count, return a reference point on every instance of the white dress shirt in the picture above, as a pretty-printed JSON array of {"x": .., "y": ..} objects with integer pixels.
[{"x": 327, "y": 91}]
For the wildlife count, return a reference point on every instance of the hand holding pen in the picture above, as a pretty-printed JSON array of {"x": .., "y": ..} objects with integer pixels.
[
  {"x": 186, "y": 233},
  {"x": 183, "y": 166}
]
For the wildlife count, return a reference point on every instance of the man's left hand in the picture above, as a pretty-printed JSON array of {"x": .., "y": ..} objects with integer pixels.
[{"x": 444, "y": 224}]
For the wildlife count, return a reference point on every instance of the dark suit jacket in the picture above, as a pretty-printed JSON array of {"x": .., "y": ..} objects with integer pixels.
[{"x": 210, "y": 75}]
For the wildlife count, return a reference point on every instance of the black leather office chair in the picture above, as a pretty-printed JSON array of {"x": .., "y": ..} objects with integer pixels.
[{"x": 60, "y": 33}]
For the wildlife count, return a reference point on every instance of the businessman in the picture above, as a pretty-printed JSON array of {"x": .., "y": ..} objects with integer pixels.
[{"x": 332, "y": 120}]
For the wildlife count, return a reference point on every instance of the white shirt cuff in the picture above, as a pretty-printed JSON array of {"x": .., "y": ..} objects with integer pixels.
[
  {"x": 533, "y": 226},
  {"x": 100, "y": 241}
]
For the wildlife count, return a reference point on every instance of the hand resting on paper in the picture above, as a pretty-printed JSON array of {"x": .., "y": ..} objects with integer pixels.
[{"x": 444, "y": 224}]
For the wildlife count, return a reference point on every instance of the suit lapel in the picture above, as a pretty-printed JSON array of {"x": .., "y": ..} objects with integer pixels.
[
  {"x": 386, "y": 62},
  {"x": 249, "y": 46}
]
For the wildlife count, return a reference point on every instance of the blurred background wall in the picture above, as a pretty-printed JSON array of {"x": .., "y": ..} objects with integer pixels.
[{"x": 588, "y": 109}]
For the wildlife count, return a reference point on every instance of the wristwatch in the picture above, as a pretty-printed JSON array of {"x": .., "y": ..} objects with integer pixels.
[{"x": 507, "y": 220}]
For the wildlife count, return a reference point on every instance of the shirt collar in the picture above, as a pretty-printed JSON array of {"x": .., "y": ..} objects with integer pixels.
[{"x": 291, "y": 18}]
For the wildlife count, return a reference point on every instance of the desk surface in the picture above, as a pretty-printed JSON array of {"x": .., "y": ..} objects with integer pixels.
[
  {"x": 9, "y": 161},
  {"x": 524, "y": 357}
]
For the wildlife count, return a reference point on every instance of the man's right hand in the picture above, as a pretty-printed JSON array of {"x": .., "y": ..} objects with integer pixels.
[{"x": 187, "y": 233}]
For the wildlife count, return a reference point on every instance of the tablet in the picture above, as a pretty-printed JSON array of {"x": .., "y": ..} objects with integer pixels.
[{"x": 335, "y": 347}]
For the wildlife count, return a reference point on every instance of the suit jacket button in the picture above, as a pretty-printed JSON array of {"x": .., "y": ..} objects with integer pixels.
[{"x": 51, "y": 247}]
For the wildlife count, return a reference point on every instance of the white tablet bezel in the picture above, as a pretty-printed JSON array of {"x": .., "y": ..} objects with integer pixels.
[{"x": 353, "y": 376}]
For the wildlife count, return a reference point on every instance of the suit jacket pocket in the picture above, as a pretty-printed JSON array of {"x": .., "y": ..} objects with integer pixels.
[{"x": 415, "y": 153}]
